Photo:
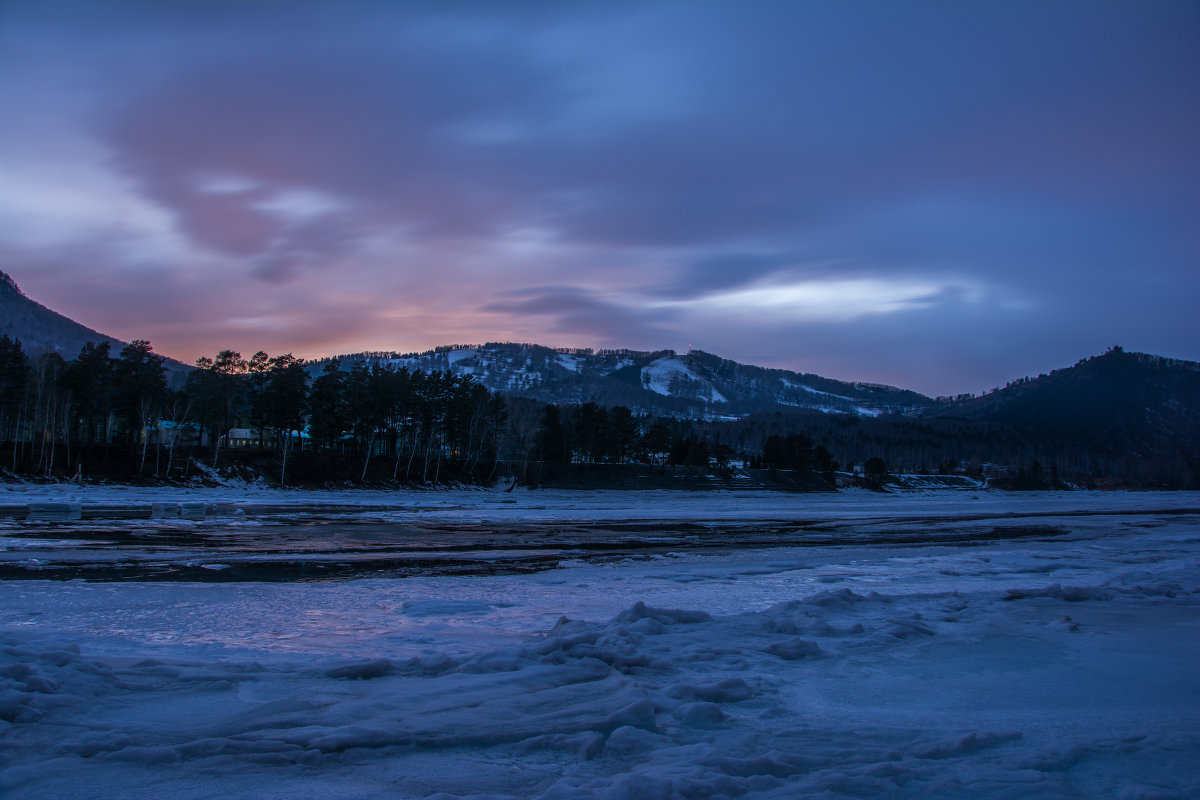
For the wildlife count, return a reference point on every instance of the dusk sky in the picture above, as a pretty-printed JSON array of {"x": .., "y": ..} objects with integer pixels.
[{"x": 938, "y": 195}]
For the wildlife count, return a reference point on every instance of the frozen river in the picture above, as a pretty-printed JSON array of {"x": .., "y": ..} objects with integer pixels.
[{"x": 617, "y": 645}]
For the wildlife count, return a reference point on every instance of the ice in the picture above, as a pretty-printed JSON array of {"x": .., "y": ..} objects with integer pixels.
[{"x": 778, "y": 647}]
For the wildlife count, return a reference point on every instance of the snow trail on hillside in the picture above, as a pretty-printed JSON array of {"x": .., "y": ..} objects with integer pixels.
[{"x": 663, "y": 375}]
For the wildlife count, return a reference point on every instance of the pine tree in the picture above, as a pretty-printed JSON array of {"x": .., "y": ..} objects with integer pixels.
[
  {"x": 285, "y": 400},
  {"x": 141, "y": 388},
  {"x": 14, "y": 379},
  {"x": 327, "y": 406},
  {"x": 551, "y": 438}
]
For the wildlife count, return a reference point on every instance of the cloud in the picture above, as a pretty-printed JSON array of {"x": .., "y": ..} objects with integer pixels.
[
  {"x": 470, "y": 131},
  {"x": 829, "y": 300},
  {"x": 776, "y": 180},
  {"x": 581, "y": 313}
]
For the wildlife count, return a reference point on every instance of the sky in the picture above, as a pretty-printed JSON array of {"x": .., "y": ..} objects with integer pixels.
[{"x": 938, "y": 195}]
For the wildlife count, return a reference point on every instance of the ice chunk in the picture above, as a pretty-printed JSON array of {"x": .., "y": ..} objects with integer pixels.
[
  {"x": 1072, "y": 594},
  {"x": 363, "y": 669},
  {"x": 700, "y": 715},
  {"x": 663, "y": 616},
  {"x": 795, "y": 649},
  {"x": 730, "y": 690}
]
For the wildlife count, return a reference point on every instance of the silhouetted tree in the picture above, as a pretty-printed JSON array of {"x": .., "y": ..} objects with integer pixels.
[
  {"x": 89, "y": 381},
  {"x": 824, "y": 463},
  {"x": 285, "y": 400},
  {"x": 551, "y": 439},
  {"x": 217, "y": 391},
  {"x": 875, "y": 470},
  {"x": 327, "y": 405},
  {"x": 621, "y": 435},
  {"x": 14, "y": 379},
  {"x": 794, "y": 452},
  {"x": 258, "y": 374},
  {"x": 656, "y": 442},
  {"x": 141, "y": 387}
]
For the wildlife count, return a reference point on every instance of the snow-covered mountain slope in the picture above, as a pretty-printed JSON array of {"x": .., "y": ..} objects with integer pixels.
[
  {"x": 694, "y": 383},
  {"x": 672, "y": 377}
]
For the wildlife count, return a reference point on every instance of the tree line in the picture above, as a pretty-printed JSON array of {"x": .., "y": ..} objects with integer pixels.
[
  {"x": 51, "y": 409},
  {"x": 125, "y": 416},
  {"x": 122, "y": 412}
]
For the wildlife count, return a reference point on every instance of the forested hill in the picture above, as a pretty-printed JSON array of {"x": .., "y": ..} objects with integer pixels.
[
  {"x": 1119, "y": 419},
  {"x": 41, "y": 330},
  {"x": 1119, "y": 402},
  {"x": 695, "y": 384}
]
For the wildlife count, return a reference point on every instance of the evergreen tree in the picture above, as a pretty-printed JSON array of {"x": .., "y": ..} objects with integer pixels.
[
  {"x": 1037, "y": 479},
  {"x": 217, "y": 391},
  {"x": 551, "y": 438},
  {"x": 367, "y": 392},
  {"x": 793, "y": 452},
  {"x": 228, "y": 369},
  {"x": 591, "y": 424},
  {"x": 258, "y": 373},
  {"x": 656, "y": 442},
  {"x": 286, "y": 399},
  {"x": 824, "y": 463},
  {"x": 690, "y": 450},
  {"x": 89, "y": 382},
  {"x": 875, "y": 470},
  {"x": 327, "y": 404},
  {"x": 621, "y": 435},
  {"x": 286, "y": 396},
  {"x": 699, "y": 450},
  {"x": 141, "y": 387},
  {"x": 14, "y": 379}
]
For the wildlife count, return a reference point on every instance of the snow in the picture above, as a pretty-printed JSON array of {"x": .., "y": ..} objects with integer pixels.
[
  {"x": 731, "y": 644},
  {"x": 826, "y": 409},
  {"x": 658, "y": 375},
  {"x": 455, "y": 356},
  {"x": 863, "y": 411},
  {"x": 620, "y": 364},
  {"x": 570, "y": 362},
  {"x": 811, "y": 390}
]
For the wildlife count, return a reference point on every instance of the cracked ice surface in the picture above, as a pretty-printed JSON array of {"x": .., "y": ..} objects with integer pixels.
[{"x": 1055, "y": 663}]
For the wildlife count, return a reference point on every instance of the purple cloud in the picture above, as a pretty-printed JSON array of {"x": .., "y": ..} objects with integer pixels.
[{"x": 398, "y": 175}]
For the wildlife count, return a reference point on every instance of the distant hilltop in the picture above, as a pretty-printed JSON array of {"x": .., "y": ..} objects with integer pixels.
[
  {"x": 42, "y": 330},
  {"x": 664, "y": 381},
  {"x": 9, "y": 286}
]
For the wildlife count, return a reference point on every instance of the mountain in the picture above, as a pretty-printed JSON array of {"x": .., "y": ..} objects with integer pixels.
[
  {"x": 691, "y": 384},
  {"x": 695, "y": 384},
  {"x": 40, "y": 329},
  {"x": 44, "y": 331},
  {"x": 1119, "y": 403},
  {"x": 1122, "y": 403}
]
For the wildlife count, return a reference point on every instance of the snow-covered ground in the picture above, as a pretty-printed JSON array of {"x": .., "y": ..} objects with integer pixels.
[{"x": 665, "y": 645}]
